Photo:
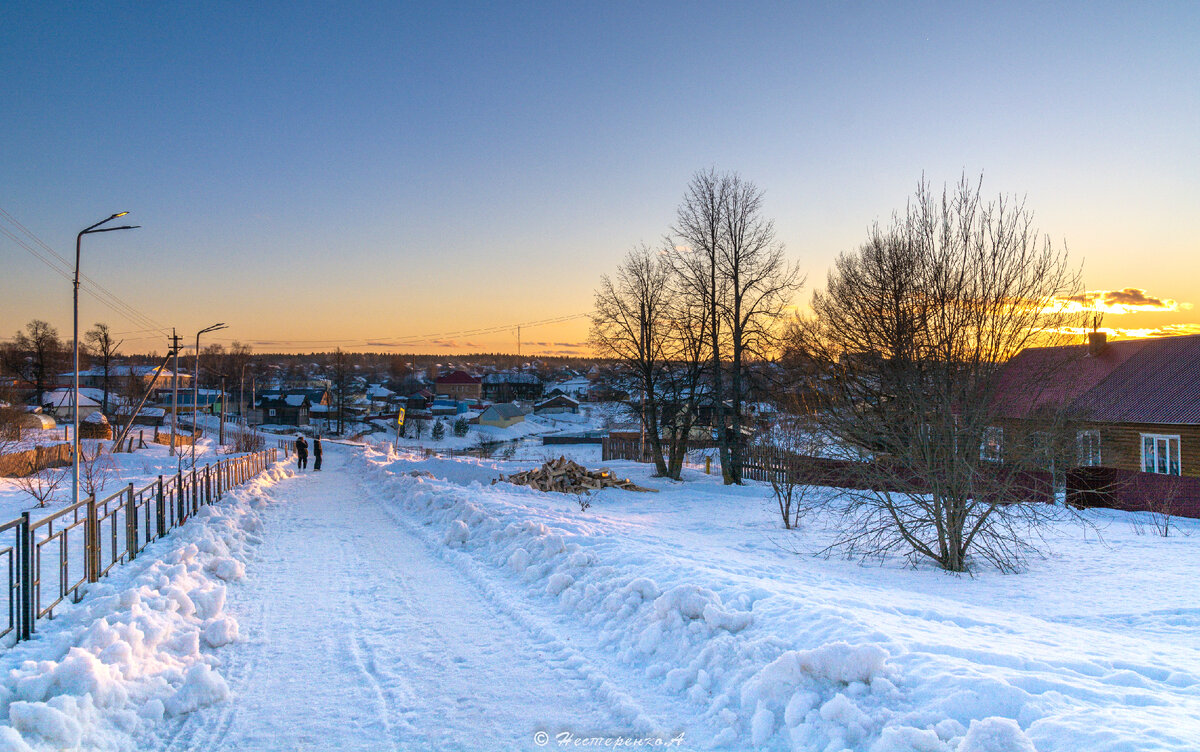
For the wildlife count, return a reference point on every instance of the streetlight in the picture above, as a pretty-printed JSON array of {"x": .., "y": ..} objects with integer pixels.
[
  {"x": 196, "y": 387},
  {"x": 75, "y": 347}
]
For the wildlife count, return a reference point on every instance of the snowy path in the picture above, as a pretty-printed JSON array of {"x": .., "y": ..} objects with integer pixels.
[{"x": 358, "y": 638}]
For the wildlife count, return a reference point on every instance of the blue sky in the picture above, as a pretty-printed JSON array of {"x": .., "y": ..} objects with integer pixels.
[{"x": 341, "y": 172}]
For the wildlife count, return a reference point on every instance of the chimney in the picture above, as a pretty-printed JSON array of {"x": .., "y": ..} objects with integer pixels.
[{"x": 1097, "y": 341}]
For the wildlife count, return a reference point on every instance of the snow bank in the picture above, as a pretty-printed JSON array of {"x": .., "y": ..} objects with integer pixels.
[
  {"x": 696, "y": 642},
  {"x": 104, "y": 671}
]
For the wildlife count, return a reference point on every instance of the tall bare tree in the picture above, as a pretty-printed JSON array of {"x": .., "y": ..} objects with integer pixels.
[
  {"x": 630, "y": 325},
  {"x": 760, "y": 284},
  {"x": 99, "y": 340},
  {"x": 908, "y": 334},
  {"x": 698, "y": 234},
  {"x": 43, "y": 354}
]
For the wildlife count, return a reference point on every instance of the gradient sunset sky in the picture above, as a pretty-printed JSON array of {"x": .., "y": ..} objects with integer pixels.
[{"x": 425, "y": 175}]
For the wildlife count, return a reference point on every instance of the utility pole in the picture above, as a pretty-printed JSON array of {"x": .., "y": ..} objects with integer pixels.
[
  {"x": 222, "y": 397},
  {"x": 174, "y": 387},
  {"x": 518, "y": 341}
]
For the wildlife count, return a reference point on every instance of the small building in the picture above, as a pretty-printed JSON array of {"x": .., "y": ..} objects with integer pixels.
[
  {"x": 557, "y": 404},
  {"x": 288, "y": 410},
  {"x": 459, "y": 385},
  {"x": 60, "y": 404},
  {"x": 501, "y": 416},
  {"x": 508, "y": 386}
]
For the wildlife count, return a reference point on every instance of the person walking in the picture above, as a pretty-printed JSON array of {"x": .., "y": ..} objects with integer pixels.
[
  {"x": 317, "y": 453},
  {"x": 301, "y": 452}
]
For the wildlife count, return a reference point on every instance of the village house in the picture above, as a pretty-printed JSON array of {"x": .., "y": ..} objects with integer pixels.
[
  {"x": 501, "y": 416},
  {"x": 556, "y": 405},
  {"x": 285, "y": 410},
  {"x": 459, "y": 385},
  {"x": 1130, "y": 404},
  {"x": 508, "y": 386}
]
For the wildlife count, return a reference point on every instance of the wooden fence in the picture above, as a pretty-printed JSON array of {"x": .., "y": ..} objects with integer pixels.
[
  {"x": 1133, "y": 491},
  {"x": 770, "y": 464},
  {"x": 30, "y": 461}
]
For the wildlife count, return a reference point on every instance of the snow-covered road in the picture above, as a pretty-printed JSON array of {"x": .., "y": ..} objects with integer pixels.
[{"x": 358, "y": 638}]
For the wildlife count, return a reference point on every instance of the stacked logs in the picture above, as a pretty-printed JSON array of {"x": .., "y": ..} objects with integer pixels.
[{"x": 565, "y": 476}]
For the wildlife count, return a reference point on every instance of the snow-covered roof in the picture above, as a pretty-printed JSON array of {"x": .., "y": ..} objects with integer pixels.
[
  {"x": 295, "y": 400},
  {"x": 66, "y": 398},
  {"x": 511, "y": 378},
  {"x": 503, "y": 410}
]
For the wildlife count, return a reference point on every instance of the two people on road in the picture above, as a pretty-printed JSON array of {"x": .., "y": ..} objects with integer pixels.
[{"x": 302, "y": 452}]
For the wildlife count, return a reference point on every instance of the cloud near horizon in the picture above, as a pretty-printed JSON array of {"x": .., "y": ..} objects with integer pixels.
[
  {"x": 1127, "y": 300},
  {"x": 1171, "y": 330}
]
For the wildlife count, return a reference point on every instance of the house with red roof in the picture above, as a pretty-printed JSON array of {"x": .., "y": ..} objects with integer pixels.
[
  {"x": 459, "y": 385},
  {"x": 1132, "y": 404}
]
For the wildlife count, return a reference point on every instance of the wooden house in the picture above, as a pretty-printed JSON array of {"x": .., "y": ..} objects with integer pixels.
[{"x": 1131, "y": 404}]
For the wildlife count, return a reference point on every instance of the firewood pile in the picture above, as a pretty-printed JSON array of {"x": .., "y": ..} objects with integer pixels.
[{"x": 566, "y": 476}]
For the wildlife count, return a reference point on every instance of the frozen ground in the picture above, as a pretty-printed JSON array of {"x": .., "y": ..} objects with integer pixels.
[{"x": 380, "y": 610}]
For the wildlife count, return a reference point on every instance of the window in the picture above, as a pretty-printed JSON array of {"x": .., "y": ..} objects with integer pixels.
[
  {"x": 1160, "y": 454},
  {"x": 1087, "y": 448},
  {"x": 992, "y": 447},
  {"x": 271, "y": 412}
]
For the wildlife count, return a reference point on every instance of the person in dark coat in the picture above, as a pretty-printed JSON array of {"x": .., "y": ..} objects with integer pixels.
[
  {"x": 301, "y": 453},
  {"x": 317, "y": 453}
]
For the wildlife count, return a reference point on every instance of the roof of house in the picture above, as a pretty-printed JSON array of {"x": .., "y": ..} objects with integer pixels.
[
  {"x": 558, "y": 399},
  {"x": 457, "y": 377},
  {"x": 66, "y": 398},
  {"x": 1129, "y": 381},
  {"x": 511, "y": 378},
  {"x": 503, "y": 410}
]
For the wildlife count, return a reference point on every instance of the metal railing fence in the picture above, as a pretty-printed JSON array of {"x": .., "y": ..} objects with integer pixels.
[{"x": 55, "y": 558}]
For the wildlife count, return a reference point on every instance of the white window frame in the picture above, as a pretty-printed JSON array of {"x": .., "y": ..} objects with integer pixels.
[
  {"x": 270, "y": 412},
  {"x": 1088, "y": 452},
  {"x": 991, "y": 447},
  {"x": 1154, "y": 461}
]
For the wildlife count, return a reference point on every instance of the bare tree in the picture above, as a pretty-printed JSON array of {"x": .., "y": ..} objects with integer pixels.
[
  {"x": 43, "y": 484},
  {"x": 43, "y": 354},
  {"x": 95, "y": 471},
  {"x": 729, "y": 259},
  {"x": 630, "y": 326},
  {"x": 760, "y": 284},
  {"x": 99, "y": 340},
  {"x": 793, "y": 438},
  {"x": 698, "y": 231},
  {"x": 908, "y": 334}
]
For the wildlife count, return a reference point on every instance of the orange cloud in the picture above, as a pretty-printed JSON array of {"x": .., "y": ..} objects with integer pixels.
[{"x": 1128, "y": 300}]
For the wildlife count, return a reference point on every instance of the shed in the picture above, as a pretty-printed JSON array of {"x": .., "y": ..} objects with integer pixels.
[{"x": 501, "y": 416}]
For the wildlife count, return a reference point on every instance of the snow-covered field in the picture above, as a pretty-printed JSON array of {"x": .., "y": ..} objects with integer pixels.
[{"x": 396, "y": 602}]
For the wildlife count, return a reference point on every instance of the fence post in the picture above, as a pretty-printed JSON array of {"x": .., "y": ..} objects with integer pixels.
[
  {"x": 25, "y": 612},
  {"x": 207, "y": 485},
  {"x": 180, "y": 499},
  {"x": 161, "y": 515},
  {"x": 92, "y": 534},
  {"x": 131, "y": 526}
]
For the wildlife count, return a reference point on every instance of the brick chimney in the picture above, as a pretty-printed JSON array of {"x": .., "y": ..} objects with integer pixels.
[{"x": 1097, "y": 341}]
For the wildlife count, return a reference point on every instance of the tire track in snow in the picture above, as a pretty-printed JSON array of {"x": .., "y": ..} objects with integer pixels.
[{"x": 567, "y": 658}]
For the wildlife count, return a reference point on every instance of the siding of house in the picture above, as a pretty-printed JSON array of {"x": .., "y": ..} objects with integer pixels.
[{"x": 1121, "y": 445}]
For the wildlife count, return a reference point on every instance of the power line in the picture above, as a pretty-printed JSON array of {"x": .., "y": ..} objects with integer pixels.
[{"x": 66, "y": 269}]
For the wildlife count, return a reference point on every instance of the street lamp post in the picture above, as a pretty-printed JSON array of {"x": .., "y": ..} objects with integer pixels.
[
  {"x": 75, "y": 347},
  {"x": 196, "y": 387}
]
